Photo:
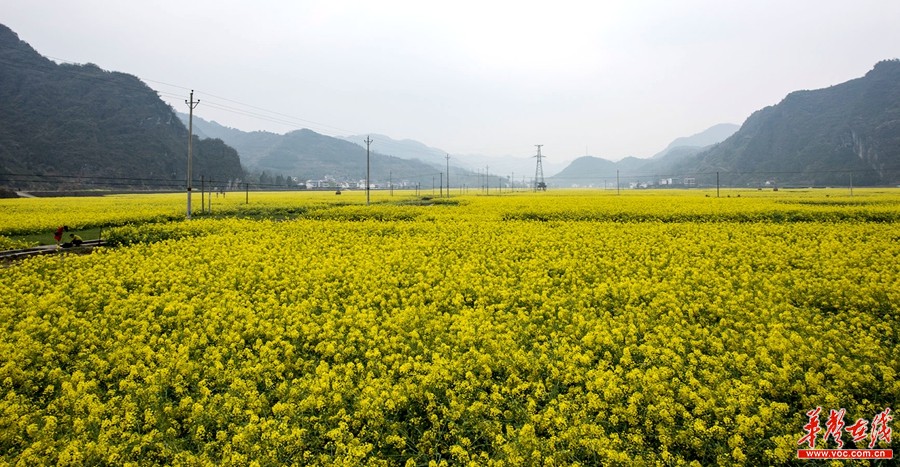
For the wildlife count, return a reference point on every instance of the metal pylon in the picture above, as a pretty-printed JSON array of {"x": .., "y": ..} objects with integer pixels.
[{"x": 539, "y": 184}]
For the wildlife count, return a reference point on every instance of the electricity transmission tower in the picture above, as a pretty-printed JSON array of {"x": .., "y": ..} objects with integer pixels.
[{"x": 539, "y": 184}]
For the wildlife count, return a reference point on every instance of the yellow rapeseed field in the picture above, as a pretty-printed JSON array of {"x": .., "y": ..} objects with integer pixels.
[{"x": 568, "y": 328}]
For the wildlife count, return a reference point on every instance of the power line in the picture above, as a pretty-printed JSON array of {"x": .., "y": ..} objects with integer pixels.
[{"x": 80, "y": 71}]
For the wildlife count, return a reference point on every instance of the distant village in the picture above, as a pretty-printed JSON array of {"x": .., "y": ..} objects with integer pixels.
[{"x": 332, "y": 183}]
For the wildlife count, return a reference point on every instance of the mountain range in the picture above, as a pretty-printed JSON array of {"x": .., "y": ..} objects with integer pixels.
[
  {"x": 308, "y": 155},
  {"x": 305, "y": 155},
  {"x": 79, "y": 125}
]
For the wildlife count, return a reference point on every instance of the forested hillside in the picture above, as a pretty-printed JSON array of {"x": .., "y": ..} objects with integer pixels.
[
  {"x": 68, "y": 126},
  {"x": 818, "y": 137}
]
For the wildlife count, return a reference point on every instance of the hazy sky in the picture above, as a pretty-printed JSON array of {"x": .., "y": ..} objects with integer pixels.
[{"x": 614, "y": 78}]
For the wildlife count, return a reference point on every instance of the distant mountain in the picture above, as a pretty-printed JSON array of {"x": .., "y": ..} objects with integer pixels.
[
  {"x": 520, "y": 166},
  {"x": 712, "y": 135},
  {"x": 817, "y": 137},
  {"x": 308, "y": 155},
  {"x": 250, "y": 145},
  {"x": 404, "y": 149},
  {"x": 466, "y": 169},
  {"x": 585, "y": 171},
  {"x": 590, "y": 171},
  {"x": 63, "y": 126}
]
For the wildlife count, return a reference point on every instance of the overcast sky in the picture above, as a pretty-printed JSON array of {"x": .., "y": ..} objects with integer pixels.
[{"x": 611, "y": 78}]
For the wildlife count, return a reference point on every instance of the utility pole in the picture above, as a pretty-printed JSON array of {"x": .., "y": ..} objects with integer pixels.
[
  {"x": 618, "y": 192},
  {"x": 191, "y": 104},
  {"x": 448, "y": 175},
  {"x": 391, "y": 181},
  {"x": 368, "y": 183},
  {"x": 442, "y": 185},
  {"x": 539, "y": 184},
  {"x": 487, "y": 180}
]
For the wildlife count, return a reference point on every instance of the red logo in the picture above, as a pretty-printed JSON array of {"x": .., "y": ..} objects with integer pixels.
[{"x": 835, "y": 427}]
